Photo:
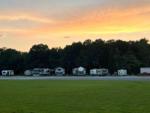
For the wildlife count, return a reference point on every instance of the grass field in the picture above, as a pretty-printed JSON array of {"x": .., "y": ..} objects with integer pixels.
[{"x": 74, "y": 96}]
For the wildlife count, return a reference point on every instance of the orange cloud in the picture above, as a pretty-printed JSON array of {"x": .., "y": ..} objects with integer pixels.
[
  {"x": 30, "y": 16},
  {"x": 103, "y": 22},
  {"x": 108, "y": 21}
]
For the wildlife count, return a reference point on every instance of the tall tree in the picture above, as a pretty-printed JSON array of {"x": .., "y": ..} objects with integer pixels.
[{"x": 38, "y": 56}]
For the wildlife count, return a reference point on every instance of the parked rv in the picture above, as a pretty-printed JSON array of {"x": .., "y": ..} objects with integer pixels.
[
  {"x": 99, "y": 72},
  {"x": 7, "y": 72},
  {"x": 41, "y": 72},
  {"x": 145, "y": 70},
  {"x": 122, "y": 72},
  {"x": 59, "y": 71},
  {"x": 95, "y": 72},
  {"x": 28, "y": 72},
  {"x": 80, "y": 71}
]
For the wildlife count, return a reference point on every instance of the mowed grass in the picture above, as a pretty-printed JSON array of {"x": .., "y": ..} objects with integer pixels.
[{"x": 45, "y": 96}]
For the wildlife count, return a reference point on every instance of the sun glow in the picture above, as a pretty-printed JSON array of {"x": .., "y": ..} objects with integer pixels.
[{"x": 92, "y": 22}]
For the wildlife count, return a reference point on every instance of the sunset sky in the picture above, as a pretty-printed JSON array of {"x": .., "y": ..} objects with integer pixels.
[{"x": 61, "y": 22}]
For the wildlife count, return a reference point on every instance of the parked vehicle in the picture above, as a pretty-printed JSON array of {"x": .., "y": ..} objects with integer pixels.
[
  {"x": 145, "y": 70},
  {"x": 41, "y": 72},
  {"x": 122, "y": 72},
  {"x": 99, "y": 72},
  {"x": 28, "y": 72},
  {"x": 94, "y": 72},
  {"x": 80, "y": 71},
  {"x": 7, "y": 72},
  {"x": 59, "y": 71}
]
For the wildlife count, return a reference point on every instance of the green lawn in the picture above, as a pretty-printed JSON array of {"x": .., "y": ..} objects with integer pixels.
[{"x": 74, "y": 96}]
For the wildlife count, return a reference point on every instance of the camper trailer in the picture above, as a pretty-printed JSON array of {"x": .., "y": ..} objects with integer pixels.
[
  {"x": 145, "y": 70},
  {"x": 7, "y": 72},
  {"x": 59, "y": 71},
  {"x": 99, "y": 72},
  {"x": 79, "y": 71},
  {"x": 27, "y": 72},
  {"x": 95, "y": 72},
  {"x": 41, "y": 72},
  {"x": 122, "y": 72}
]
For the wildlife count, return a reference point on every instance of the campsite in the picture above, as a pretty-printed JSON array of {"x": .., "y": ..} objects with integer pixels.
[{"x": 74, "y": 56}]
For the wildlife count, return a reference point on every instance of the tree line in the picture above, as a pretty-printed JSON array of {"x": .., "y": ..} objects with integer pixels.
[{"x": 112, "y": 54}]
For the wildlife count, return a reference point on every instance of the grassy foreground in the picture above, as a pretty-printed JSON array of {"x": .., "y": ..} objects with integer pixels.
[{"x": 74, "y": 96}]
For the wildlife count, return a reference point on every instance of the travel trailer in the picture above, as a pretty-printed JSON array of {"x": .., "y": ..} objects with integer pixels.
[
  {"x": 7, "y": 72},
  {"x": 41, "y": 72},
  {"x": 122, "y": 72},
  {"x": 28, "y": 72},
  {"x": 79, "y": 71},
  {"x": 99, "y": 72},
  {"x": 59, "y": 71},
  {"x": 145, "y": 70},
  {"x": 94, "y": 72}
]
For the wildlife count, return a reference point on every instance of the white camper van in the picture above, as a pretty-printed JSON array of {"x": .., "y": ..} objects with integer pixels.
[{"x": 7, "y": 72}]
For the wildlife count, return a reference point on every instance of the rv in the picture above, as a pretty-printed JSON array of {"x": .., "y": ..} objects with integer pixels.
[
  {"x": 7, "y": 72},
  {"x": 94, "y": 72},
  {"x": 41, "y": 72},
  {"x": 28, "y": 72},
  {"x": 99, "y": 72},
  {"x": 79, "y": 71},
  {"x": 145, "y": 70},
  {"x": 59, "y": 71},
  {"x": 122, "y": 72}
]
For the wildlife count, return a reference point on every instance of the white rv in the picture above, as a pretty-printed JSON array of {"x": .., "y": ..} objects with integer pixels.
[
  {"x": 145, "y": 70},
  {"x": 93, "y": 72},
  {"x": 122, "y": 72},
  {"x": 7, "y": 72},
  {"x": 41, "y": 71},
  {"x": 79, "y": 71},
  {"x": 28, "y": 72},
  {"x": 99, "y": 72},
  {"x": 59, "y": 71}
]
